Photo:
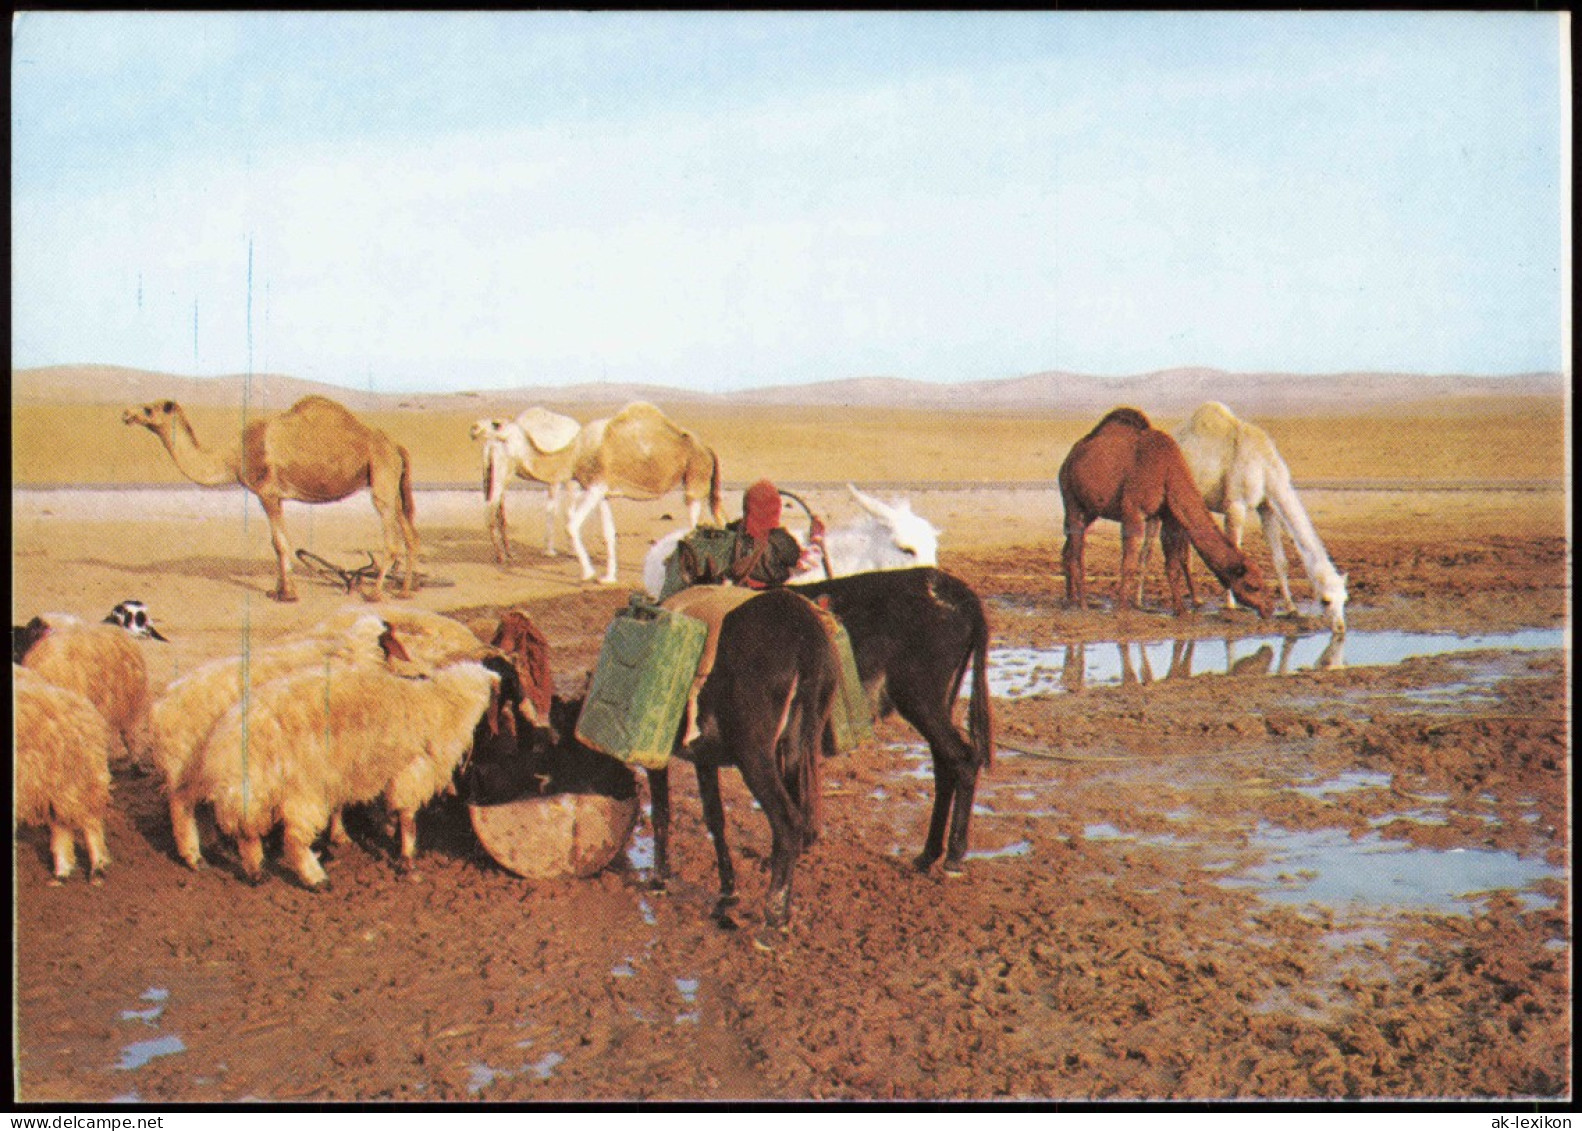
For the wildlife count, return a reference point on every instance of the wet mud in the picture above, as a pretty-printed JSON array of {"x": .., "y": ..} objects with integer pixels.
[{"x": 1206, "y": 863}]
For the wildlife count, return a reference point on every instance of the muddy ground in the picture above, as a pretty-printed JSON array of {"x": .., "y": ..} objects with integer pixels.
[{"x": 1352, "y": 879}]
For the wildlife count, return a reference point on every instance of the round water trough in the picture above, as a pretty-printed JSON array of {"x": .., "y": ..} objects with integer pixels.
[{"x": 558, "y": 836}]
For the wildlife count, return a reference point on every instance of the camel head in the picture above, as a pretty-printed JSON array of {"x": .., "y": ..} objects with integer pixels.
[
  {"x": 1248, "y": 585},
  {"x": 156, "y": 418},
  {"x": 911, "y": 533},
  {"x": 487, "y": 429},
  {"x": 1330, "y": 584}
]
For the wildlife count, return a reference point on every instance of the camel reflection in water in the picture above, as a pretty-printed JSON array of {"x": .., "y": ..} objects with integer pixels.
[{"x": 1242, "y": 659}]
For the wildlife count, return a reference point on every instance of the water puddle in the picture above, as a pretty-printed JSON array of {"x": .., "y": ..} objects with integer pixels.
[
  {"x": 139, "y": 1053},
  {"x": 640, "y": 851},
  {"x": 688, "y": 989},
  {"x": 1020, "y": 672},
  {"x": 1349, "y": 782},
  {"x": 1330, "y": 868},
  {"x": 483, "y": 1075},
  {"x": 1014, "y": 849},
  {"x": 150, "y": 1015}
]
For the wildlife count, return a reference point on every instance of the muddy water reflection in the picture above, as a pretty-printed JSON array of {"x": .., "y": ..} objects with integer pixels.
[{"x": 1018, "y": 672}]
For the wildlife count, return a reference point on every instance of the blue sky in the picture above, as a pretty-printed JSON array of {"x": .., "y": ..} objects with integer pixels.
[{"x": 724, "y": 200}]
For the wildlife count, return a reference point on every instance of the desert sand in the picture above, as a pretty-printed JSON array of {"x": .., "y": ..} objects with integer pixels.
[{"x": 1157, "y": 902}]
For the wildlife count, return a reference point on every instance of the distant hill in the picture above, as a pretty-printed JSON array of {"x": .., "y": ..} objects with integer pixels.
[{"x": 1166, "y": 392}]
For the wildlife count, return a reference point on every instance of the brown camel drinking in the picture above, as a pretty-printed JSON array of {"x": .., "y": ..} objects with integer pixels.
[
  {"x": 314, "y": 452},
  {"x": 1127, "y": 471}
]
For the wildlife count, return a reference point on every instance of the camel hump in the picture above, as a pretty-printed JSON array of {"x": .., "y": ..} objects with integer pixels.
[
  {"x": 1123, "y": 417},
  {"x": 322, "y": 411}
]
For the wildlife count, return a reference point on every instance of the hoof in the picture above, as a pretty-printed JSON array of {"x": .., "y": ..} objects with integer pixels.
[
  {"x": 257, "y": 880},
  {"x": 724, "y": 922},
  {"x": 954, "y": 868},
  {"x": 285, "y": 597},
  {"x": 196, "y": 864},
  {"x": 659, "y": 885},
  {"x": 771, "y": 939},
  {"x": 57, "y": 881},
  {"x": 923, "y": 862},
  {"x": 96, "y": 878}
]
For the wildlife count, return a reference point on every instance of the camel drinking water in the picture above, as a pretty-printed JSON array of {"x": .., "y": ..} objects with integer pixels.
[
  {"x": 538, "y": 445},
  {"x": 314, "y": 452},
  {"x": 1237, "y": 468},
  {"x": 638, "y": 454},
  {"x": 1127, "y": 471}
]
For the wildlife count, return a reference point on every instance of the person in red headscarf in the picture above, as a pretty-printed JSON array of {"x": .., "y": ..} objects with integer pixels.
[{"x": 766, "y": 554}]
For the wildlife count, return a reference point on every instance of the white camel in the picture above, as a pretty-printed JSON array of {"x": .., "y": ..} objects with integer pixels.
[
  {"x": 538, "y": 445},
  {"x": 889, "y": 536},
  {"x": 637, "y": 454},
  {"x": 1238, "y": 468}
]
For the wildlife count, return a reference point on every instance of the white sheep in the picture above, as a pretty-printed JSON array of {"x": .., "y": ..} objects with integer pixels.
[
  {"x": 62, "y": 764},
  {"x": 304, "y": 746},
  {"x": 184, "y": 715},
  {"x": 100, "y": 662}
]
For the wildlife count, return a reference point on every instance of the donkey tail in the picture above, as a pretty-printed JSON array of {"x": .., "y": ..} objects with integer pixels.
[{"x": 980, "y": 709}]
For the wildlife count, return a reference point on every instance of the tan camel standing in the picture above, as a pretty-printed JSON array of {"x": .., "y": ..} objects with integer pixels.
[
  {"x": 1237, "y": 468},
  {"x": 537, "y": 445},
  {"x": 1127, "y": 471},
  {"x": 314, "y": 452},
  {"x": 637, "y": 454}
]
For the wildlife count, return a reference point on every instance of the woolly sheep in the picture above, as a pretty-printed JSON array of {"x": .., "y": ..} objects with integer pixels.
[
  {"x": 62, "y": 764},
  {"x": 184, "y": 715},
  {"x": 303, "y": 747},
  {"x": 103, "y": 664},
  {"x": 432, "y": 640}
]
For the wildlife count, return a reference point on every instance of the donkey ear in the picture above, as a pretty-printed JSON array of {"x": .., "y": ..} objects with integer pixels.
[{"x": 871, "y": 505}]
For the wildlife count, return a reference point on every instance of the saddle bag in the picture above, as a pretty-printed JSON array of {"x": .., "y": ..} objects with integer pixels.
[
  {"x": 850, "y": 718},
  {"x": 638, "y": 695},
  {"x": 706, "y": 556}
]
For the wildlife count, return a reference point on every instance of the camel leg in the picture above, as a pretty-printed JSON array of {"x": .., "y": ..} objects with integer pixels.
[
  {"x": 494, "y": 518},
  {"x": 400, "y": 536},
  {"x": 1272, "y": 535},
  {"x": 1072, "y": 560},
  {"x": 1174, "y": 542},
  {"x": 1235, "y": 523},
  {"x": 1150, "y": 532},
  {"x": 1133, "y": 531},
  {"x": 607, "y": 520},
  {"x": 551, "y": 513},
  {"x": 273, "y": 510},
  {"x": 578, "y": 513}
]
